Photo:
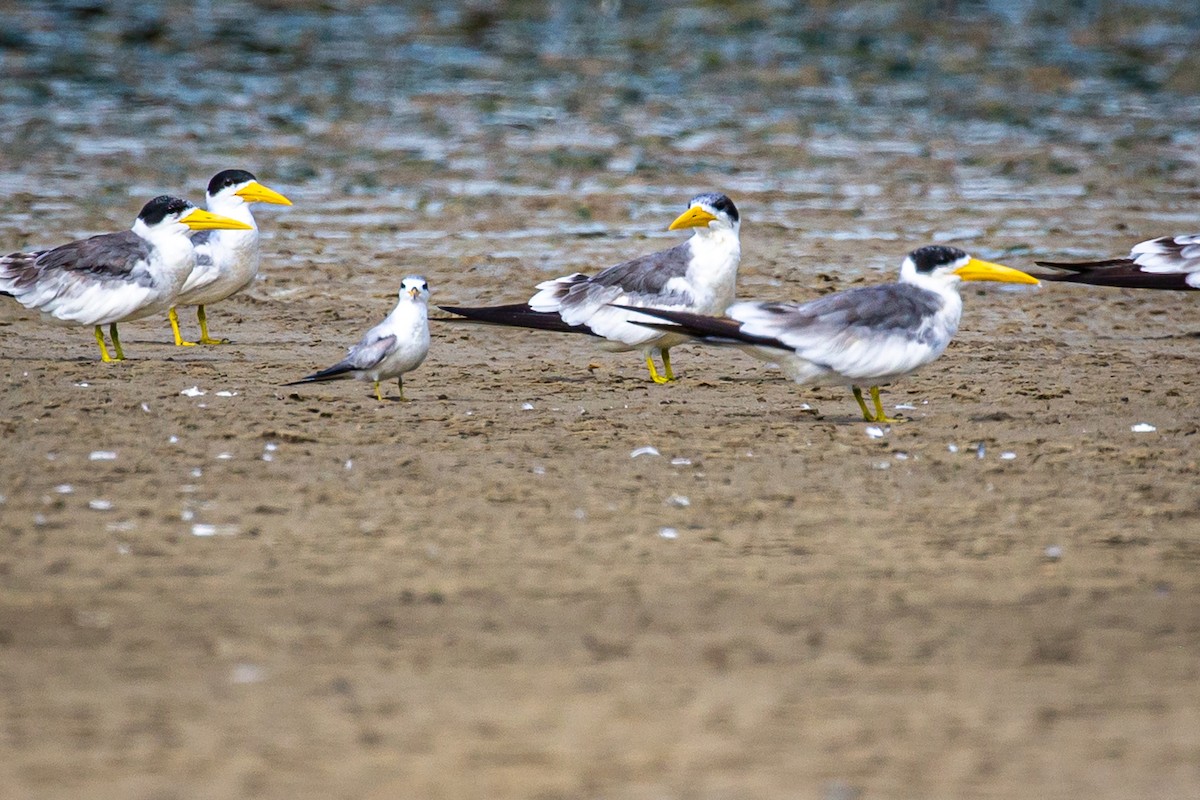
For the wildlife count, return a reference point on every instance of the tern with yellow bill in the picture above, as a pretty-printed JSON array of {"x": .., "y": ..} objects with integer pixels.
[
  {"x": 226, "y": 260},
  {"x": 113, "y": 277},
  {"x": 698, "y": 276},
  {"x": 862, "y": 337}
]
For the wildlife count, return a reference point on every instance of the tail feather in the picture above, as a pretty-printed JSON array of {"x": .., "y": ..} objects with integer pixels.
[{"x": 517, "y": 315}]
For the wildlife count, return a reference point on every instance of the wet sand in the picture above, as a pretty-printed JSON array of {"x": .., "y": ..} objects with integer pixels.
[
  {"x": 304, "y": 592},
  {"x": 248, "y": 590}
]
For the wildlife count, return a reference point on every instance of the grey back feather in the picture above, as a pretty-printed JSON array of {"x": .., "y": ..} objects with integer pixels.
[
  {"x": 109, "y": 255},
  {"x": 875, "y": 310},
  {"x": 642, "y": 280},
  {"x": 368, "y": 353}
]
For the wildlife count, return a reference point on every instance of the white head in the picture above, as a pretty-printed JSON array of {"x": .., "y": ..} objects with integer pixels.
[
  {"x": 231, "y": 188},
  {"x": 414, "y": 289},
  {"x": 168, "y": 215},
  {"x": 709, "y": 213},
  {"x": 939, "y": 267}
]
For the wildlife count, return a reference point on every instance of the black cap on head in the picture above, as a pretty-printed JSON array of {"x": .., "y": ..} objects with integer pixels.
[
  {"x": 927, "y": 259},
  {"x": 718, "y": 201},
  {"x": 161, "y": 207},
  {"x": 229, "y": 177}
]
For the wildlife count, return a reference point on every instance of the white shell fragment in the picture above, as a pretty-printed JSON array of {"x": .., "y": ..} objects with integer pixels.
[
  {"x": 1008, "y": 456},
  {"x": 1143, "y": 427},
  {"x": 874, "y": 432},
  {"x": 205, "y": 529},
  {"x": 644, "y": 451},
  {"x": 102, "y": 455},
  {"x": 679, "y": 501},
  {"x": 100, "y": 505},
  {"x": 194, "y": 391},
  {"x": 668, "y": 533}
]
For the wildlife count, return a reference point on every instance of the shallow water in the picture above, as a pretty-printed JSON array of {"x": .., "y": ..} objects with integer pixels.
[{"x": 484, "y": 129}]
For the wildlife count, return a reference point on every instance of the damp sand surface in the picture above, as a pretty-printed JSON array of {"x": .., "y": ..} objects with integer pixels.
[{"x": 212, "y": 585}]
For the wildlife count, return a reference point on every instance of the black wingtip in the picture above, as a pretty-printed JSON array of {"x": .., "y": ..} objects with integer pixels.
[
  {"x": 332, "y": 374},
  {"x": 1123, "y": 275},
  {"x": 713, "y": 330},
  {"x": 517, "y": 315},
  {"x": 1083, "y": 266}
]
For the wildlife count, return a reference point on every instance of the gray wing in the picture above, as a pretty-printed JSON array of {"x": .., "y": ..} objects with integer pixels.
[
  {"x": 369, "y": 352},
  {"x": 200, "y": 242},
  {"x": 364, "y": 355},
  {"x": 649, "y": 274},
  {"x": 886, "y": 310},
  {"x": 107, "y": 256},
  {"x": 644, "y": 281}
]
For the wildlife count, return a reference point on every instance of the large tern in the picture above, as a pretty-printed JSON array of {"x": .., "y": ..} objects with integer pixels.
[
  {"x": 699, "y": 276},
  {"x": 862, "y": 337},
  {"x": 113, "y": 277},
  {"x": 393, "y": 347},
  {"x": 1169, "y": 262},
  {"x": 226, "y": 260}
]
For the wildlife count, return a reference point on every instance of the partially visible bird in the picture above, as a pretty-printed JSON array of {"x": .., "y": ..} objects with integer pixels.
[
  {"x": 699, "y": 275},
  {"x": 226, "y": 260},
  {"x": 392, "y": 348},
  {"x": 1168, "y": 262},
  {"x": 113, "y": 277},
  {"x": 862, "y": 337}
]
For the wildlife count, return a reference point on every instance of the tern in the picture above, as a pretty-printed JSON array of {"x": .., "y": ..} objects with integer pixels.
[
  {"x": 1168, "y": 262},
  {"x": 392, "y": 348},
  {"x": 113, "y": 277},
  {"x": 226, "y": 260},
  {"x": 699, "y": 276},
  {"x": 861, "y": 337}
]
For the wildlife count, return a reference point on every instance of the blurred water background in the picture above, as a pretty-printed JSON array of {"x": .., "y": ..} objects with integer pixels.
[{"x": 910, "y": 120}]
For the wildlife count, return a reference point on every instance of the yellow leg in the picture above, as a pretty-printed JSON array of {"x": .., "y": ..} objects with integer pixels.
[
  {"x": 654, "y": 376},
  {"x": 204, "y": 337},
  {"x": 880, "y": 416},
  {"x": 104, "y": 356},
  {"x": 179, "y": 342},
  {"x": 378, "y": 396},
  {"x": 667, "y": 364},
  {"x": 112, "y": 332},
  {"x": 862, "y": 404}
]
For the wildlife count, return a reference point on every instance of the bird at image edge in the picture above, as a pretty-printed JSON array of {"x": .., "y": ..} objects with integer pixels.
[
  {"x": 113, "y": 277},
  {"x": 1168, "y": 262},
  {"x": 226, "y": 260},
  {"x": 393, "y": 347},
  {"x": 699, "y": 275},
  {"x": 862, "y": 337}
]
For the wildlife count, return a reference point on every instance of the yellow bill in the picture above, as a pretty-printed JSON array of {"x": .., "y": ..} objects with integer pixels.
[
  {"x": 976, "y": 270},
  {"x": 200, "y": 220},
  {"x": 255, "y": 192},
  {"x": 694, "y": 217}
]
